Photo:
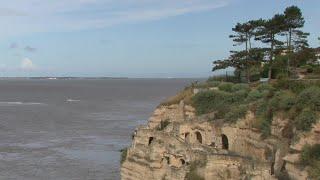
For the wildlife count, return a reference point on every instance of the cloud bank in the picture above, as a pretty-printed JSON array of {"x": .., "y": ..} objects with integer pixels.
[{"x": 18, "y": 16}]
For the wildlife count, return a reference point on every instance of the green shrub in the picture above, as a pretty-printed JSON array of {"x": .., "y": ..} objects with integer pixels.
[
  {"x": 123, "y": 155},
  {"x": 254, "y": 95},
  {"x": 225, "y": 86},
  {"x": 264, "y": 124},
  {"x": 305, "y": 120},
  {"x": 314, "y": 170},
  {"x": 309, "y": 154},
  {"x": 239, "y": 96},
  {"x": 299, "y": 86},
  {"x": 310, "y": 97},
  {"x": 283, "y": 83},
  {"x": 265, "y": 87},
  {"x": 236, "y": 112},
  {"x": 264, "y": 117},
  {"x": 240, "y": 87},
  {"x": 283, "y": 100},
  {"x": 209, "y": 101}
]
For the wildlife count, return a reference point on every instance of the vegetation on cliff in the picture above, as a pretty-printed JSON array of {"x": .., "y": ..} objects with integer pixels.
[
  {"x": 310, "y": 156},
  {"x": 300, "y": 103}
]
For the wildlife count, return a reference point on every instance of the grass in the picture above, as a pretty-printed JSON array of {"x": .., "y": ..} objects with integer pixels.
[
  {"x": 185, "y": 95},
  {"x": 298, "y": 100}
]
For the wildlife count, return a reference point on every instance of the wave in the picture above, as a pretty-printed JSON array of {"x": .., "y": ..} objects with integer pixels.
[
  {"x": 72, "y": 100},
  {"x": 17, "y": 103}
]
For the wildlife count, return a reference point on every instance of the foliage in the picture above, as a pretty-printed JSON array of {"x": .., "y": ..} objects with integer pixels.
[
  {"x": 236, "y": 112},
  {"x": 123, "y": 155},
  {"x": 310, "y": 156},
  {"x": 310, "y": 97},
  {"x": 226, "y": 86},
  {"x": 209, "y": 101},
  {"x": 305, "y": 120},
  {"x": 278, "y": 54},
  {"x": 255, "y": 95},
  {"x": 240, "y": 86},
  {"x": 283, "y": 100}
]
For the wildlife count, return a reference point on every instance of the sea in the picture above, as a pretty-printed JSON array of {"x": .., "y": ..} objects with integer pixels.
[{"x": 73, "y": 129}]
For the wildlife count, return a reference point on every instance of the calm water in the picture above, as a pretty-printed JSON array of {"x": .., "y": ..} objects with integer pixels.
[{"x": 73, "y": 129}]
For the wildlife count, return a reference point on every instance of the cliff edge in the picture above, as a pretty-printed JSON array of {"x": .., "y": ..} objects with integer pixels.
[{"x": 188, "y": 139}]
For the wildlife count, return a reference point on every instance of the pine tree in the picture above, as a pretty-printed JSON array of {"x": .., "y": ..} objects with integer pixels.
[
  {"x": 268, "y": 34},
  {"x": 294, "y": 20}
]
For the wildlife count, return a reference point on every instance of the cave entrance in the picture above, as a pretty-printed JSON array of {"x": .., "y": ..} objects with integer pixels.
[
  {"x": 199, "y": 137},
  {"x": 150, "y": 140},
  {"x": 187, "y": 137},
  {"x": 182, "y": 161},
  {"x": 225, "y": 142}
]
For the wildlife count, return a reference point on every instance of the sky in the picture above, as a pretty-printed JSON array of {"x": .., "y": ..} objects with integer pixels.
[{"x": 128, "y": 38}]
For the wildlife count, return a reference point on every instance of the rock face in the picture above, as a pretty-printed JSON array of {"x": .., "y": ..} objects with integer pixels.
[{"x": 190, "y": 146}]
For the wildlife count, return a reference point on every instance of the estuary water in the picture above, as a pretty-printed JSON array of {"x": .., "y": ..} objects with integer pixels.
[{"x": 73, "y": 129}]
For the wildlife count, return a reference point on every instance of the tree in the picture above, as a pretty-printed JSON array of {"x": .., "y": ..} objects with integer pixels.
[
  {"x": 293, "y": 20},
  {"x": 240, "y": 60},
  {"x": 243, "y": 35},
  {"x": 268, "y": 34}
]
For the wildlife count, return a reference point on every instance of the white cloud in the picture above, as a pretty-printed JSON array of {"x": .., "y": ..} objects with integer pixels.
[
  {"x": 27, "y": 64},
  {"x": 19, "y": 17}
]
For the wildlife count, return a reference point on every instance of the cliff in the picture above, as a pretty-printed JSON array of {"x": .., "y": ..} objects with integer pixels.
[{"x": 178, "y": 143}]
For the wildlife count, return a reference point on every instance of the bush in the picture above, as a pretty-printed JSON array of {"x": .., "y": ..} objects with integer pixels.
[
  {"x": 225, "y": 86},
  {"x": 254, "y": 95},
  {"x": 209, "y": 101},
  {"x": 299, "y": 86},
  {"x": 283, "y": 83},
  {"x": 264, "y": 117},
  {"x": 305, "y": 120},
  {"x": 265, "y": 87},
  {"x": 239, "y": 96},
  {"x": 310, "y": 97},
  {"x": 309, "y": 154},
  {"x": 123, "y": 155},
  {"x": 240, "y": 87},
  {"x": 314, "y": 171},
  {"x": 264, "y": 124},
  {"x": 236, "y": 112},
  {"x": 283, "y": 100}
]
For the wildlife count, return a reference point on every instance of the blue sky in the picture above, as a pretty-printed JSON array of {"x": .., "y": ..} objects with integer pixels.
[{"x": 132, "y": 38}]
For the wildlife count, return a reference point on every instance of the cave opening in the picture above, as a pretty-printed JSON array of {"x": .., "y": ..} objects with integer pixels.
[
  {"x": 150, "y": 140},
  {"x": 199, "y": 137},
  {"x": 225, "y": 142}
]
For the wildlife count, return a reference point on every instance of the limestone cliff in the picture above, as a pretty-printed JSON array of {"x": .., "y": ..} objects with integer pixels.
[{"x": 176, "y": 145}]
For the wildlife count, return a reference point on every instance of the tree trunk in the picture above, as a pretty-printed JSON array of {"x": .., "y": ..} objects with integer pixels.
[
  {"x": 289, "y": 51},
  {"x": 271, "y": 58},
  {"x": 247, "y": 60}
]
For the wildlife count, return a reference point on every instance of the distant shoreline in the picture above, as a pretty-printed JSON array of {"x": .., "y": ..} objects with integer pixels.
[{"x": 93, "y": 78}]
